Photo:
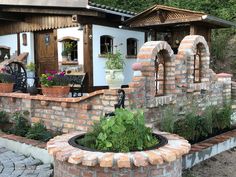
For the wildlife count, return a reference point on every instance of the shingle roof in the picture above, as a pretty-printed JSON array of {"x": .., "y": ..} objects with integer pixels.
[{"x": 105, "y": 7}]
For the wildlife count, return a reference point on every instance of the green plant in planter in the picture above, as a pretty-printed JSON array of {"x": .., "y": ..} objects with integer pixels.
[
  {"x": 30, "y": 67},
  {"x": 114, "y": 61},
  {"x": 21, "y": 123},
  {"x": 124, "y": 132},
  {"x": 6, "y": 77},
  {"x": 39, "y": 132},
  {"x": 4, "y": 117},
  {"x": 222, "y": 117}
]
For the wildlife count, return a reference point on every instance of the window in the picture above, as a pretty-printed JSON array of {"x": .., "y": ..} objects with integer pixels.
[
  {"x": 197, "y": 66},
  {"x": 70, "y": 50},
  {"x": 131, "y": 47},
  {"x": 159, "y": 75},
  {"x": 106, "y": 44}
]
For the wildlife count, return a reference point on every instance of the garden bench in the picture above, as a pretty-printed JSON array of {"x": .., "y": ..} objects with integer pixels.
[{"x": 76, "y": 83}]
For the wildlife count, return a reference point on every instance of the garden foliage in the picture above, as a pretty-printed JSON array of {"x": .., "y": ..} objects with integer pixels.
[
  {"x": 3, "y": 117},
  {"x": 195, "y": 126},
  {"x": 21, "y": 126},
  {"x": 124, "y": 132}
]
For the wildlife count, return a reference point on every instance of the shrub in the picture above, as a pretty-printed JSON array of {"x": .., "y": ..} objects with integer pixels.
[
  {"x": 39, "y": 132},
  {"x": 186, "y": 127},
  {"x": 21, "y": 124},
  {"x": 124, "y": 132},
  {"x": 3, "y": 117},
  {"x": 168, "y": 121},
  {"x": 222, "y": 117}
]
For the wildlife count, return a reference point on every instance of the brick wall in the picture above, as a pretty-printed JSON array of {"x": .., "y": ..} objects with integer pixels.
[{"x": 181, "y": 93}]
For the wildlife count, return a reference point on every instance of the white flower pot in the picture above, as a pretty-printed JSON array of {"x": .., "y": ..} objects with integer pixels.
[{"x": 114, "y": 78}]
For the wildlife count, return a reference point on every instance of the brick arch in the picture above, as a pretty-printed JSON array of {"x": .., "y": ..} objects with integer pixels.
[
  {"x": 150, "y": 49},
  {"x": 185, "y": 60},
  {"x": 189, "y": 44},
  {"x": 146, "y": 66}
]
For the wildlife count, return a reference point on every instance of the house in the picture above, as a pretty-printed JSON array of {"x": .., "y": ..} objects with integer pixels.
[
  {"x": 43, "y": 29},
  {"x": 47, "y": 30}
]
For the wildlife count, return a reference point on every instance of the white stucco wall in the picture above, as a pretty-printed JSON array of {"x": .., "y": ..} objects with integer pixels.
[
  {"x": 9, "y": 41},
  {"x": 119, "y": 36},
  {"x": 29, "y": 47},
  {"x": 72, "y": 32}
]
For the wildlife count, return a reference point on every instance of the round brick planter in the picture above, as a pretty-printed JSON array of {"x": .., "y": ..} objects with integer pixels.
[{"x": 162, "y": 162}]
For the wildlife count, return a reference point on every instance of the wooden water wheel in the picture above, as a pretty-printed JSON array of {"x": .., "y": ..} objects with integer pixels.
[{"x": 17, "y": 69}]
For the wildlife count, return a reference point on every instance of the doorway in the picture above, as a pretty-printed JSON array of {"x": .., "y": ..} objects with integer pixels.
[{"x": 46, "y": 51}]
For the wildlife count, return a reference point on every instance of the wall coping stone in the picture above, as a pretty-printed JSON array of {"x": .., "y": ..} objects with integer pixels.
[
  {"x": 220, "y": 75},
  {"x": 209, "y": 147},
  {"x": 63, "y": 151},
  {"x": 55, "y": 99}
]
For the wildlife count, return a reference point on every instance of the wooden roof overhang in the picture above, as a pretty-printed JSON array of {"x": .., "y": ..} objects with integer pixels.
[
  {"x": 164, "y": 16},
  {"x": 28, "y": 16}
]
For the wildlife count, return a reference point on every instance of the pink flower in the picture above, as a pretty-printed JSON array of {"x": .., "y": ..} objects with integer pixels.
[
  {"x": 62, "y": 73},
  {"x": 50, "y": 78}
]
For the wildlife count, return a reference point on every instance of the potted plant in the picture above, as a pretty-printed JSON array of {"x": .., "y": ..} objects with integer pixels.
[
  {"x": 114, "y": 70},
  {"x": 123, "y": 132},
  {"x": 68, "y": 48},
  {"x": 64, "y": 55},
  {"x": 30, "y": 72},
  {"x": 6, "y": 81},
  {"x": 55, "y": 84}
]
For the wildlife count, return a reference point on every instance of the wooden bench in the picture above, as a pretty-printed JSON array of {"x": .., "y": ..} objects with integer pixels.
[{"x": 76, "y": 83}]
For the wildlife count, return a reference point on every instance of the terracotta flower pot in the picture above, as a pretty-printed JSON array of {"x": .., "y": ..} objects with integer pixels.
[
  {"x": 6, "y": 87},
  {"x": 56, "y": 91}
]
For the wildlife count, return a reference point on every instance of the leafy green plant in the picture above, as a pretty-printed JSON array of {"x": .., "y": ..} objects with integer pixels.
[
  {"x": 222, "y": 117},
  {"x": 4, "y": 118},
  {"x": 124, "y": 132},
  {"x": 54, "y": 78},
  {"x": 168, "y": 121},
  {"x": 6, "y": 77},
  {"x": 21, "y": 124},
  {"x": 30, "y": 66},
  {"x": 39, "y": 132},
  {"x": 186, "y": 127},
  {"x": 114, "y": 60}
]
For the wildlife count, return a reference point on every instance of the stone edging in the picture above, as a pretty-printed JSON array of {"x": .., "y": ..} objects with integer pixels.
[
  {"x": 26, "y": 146},
  {"x": 62, "y": 151},
  {"x": 208, "y": 148}
]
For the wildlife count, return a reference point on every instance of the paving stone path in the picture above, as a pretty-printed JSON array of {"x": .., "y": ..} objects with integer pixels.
[{"x": 18, "y": 165}]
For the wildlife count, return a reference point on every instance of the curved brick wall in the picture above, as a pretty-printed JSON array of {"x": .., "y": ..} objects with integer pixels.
[{"x": 162, "y": 162}]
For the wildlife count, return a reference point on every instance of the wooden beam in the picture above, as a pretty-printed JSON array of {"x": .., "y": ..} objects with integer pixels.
[
  {"x": 54, "y": 3},
  {"x": 88, "y": 57},
  {"x": 58, "y": 11},
  {"x": 18, "y": 44},
  {"x": 11, "y": 17}
]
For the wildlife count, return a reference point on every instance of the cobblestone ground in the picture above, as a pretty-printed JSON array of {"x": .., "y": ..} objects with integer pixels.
[{"x": 18, "y": 165}]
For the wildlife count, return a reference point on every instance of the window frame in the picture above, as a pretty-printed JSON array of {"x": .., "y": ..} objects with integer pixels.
[
  {"x": 157, "y": 79},
  {"x": 197, "y": 67},
  {"x": 129, "y": 45},
  {"x": 103, "y": 47}
]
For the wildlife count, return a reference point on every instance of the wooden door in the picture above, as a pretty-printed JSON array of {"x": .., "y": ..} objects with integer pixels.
[{"x": 46, "y": 51}]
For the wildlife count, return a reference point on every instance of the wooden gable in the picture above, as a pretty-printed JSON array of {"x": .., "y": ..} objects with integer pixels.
[
  {"x": 159, "y": 15},
  {"x": 163, "y": 15}
]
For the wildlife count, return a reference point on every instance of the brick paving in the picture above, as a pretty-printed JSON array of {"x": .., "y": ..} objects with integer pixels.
[{"x": 18, "y": 165}]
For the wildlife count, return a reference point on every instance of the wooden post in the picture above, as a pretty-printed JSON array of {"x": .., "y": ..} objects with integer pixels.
[{"x": 88, "y": 57}]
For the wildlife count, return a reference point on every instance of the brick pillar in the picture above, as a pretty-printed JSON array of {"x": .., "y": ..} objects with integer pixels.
[
  {"x": 233, "y": 95},
  {"x": 226, "y": 80}
]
